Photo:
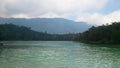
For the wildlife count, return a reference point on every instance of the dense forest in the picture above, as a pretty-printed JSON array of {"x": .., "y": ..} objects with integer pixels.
[
  {"x": 105, "y": 34},
  {"x": 15, "y": 32}
]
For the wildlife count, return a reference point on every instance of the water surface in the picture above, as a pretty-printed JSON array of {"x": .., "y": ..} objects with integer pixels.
[{"x": 58, "y": 54}]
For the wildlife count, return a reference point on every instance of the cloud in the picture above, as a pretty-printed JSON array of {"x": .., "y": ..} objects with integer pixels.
[
  {"x": 112, "y": 17},
  {"x": 59, "y": 8},
  {"x": 94, "y": 19},
  {"x": 47, "y": 8},
  {"x": 99, "y": 19}
]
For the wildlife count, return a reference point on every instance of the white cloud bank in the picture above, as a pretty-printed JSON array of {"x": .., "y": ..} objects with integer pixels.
[
  {"x": 99, "y": 19},
  {"x": 37, "y": 8},
  {"x": 58, "y": 8}
]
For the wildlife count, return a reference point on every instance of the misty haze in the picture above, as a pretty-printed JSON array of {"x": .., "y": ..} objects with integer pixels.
[{"x": 59, "y": 34}]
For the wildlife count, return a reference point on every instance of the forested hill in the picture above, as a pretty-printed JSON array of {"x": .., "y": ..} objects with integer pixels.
[
  {"x": 14, "y": 32},
  {"x": 105, "y": 34}
]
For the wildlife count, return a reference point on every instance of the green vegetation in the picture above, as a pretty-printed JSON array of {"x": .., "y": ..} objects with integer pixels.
[
  {"x": 14, "y": 32},
  {"x": 105, "y": 34}
]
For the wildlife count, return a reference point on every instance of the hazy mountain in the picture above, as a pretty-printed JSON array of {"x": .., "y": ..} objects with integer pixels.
[
  {"x": 50, "y": 25},
  {"x": 14, "y": 32}
]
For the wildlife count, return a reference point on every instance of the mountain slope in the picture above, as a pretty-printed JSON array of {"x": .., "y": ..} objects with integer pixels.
[
  {"x": 105, "y": 34},
  {"x": 50, "y": 25},
  {"x": 9, "y": 32}
]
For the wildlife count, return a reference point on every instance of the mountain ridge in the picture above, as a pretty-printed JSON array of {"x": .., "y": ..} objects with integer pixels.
[{"x": 50, "y": 25}]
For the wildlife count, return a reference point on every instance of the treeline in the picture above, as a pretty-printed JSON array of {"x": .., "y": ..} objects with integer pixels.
[
  {"x": 105, "y": 34},
  {"x": 15, "y": 32}
]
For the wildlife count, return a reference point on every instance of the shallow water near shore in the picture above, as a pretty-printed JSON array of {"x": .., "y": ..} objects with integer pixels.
[{"x": 58, "y": 54}]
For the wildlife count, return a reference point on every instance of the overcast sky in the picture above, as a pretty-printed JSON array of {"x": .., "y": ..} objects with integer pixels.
[{"x": 95, "y": 12}]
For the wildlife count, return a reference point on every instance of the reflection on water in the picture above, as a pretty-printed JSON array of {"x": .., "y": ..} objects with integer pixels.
[{"x": 58, "y": 54}]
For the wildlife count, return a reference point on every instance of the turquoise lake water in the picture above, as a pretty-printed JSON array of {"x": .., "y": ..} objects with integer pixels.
[{"x": 58, "y": 54}]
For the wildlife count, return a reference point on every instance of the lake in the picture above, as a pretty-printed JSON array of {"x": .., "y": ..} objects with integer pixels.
[{"x": 58, "y": 54}]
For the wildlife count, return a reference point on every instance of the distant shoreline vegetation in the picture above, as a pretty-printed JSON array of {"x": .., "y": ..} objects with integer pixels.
[
  {"x": 11, "y": 32},
  {"x": 105, "y": 34}
]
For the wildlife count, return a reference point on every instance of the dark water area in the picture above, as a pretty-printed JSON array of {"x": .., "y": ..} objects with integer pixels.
[{"x": 58, "y": 54}]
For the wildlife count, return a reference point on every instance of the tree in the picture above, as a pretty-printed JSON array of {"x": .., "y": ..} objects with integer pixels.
[
  {"x": 101, "y": 34},
  {"x": 15, "y": 32}
]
